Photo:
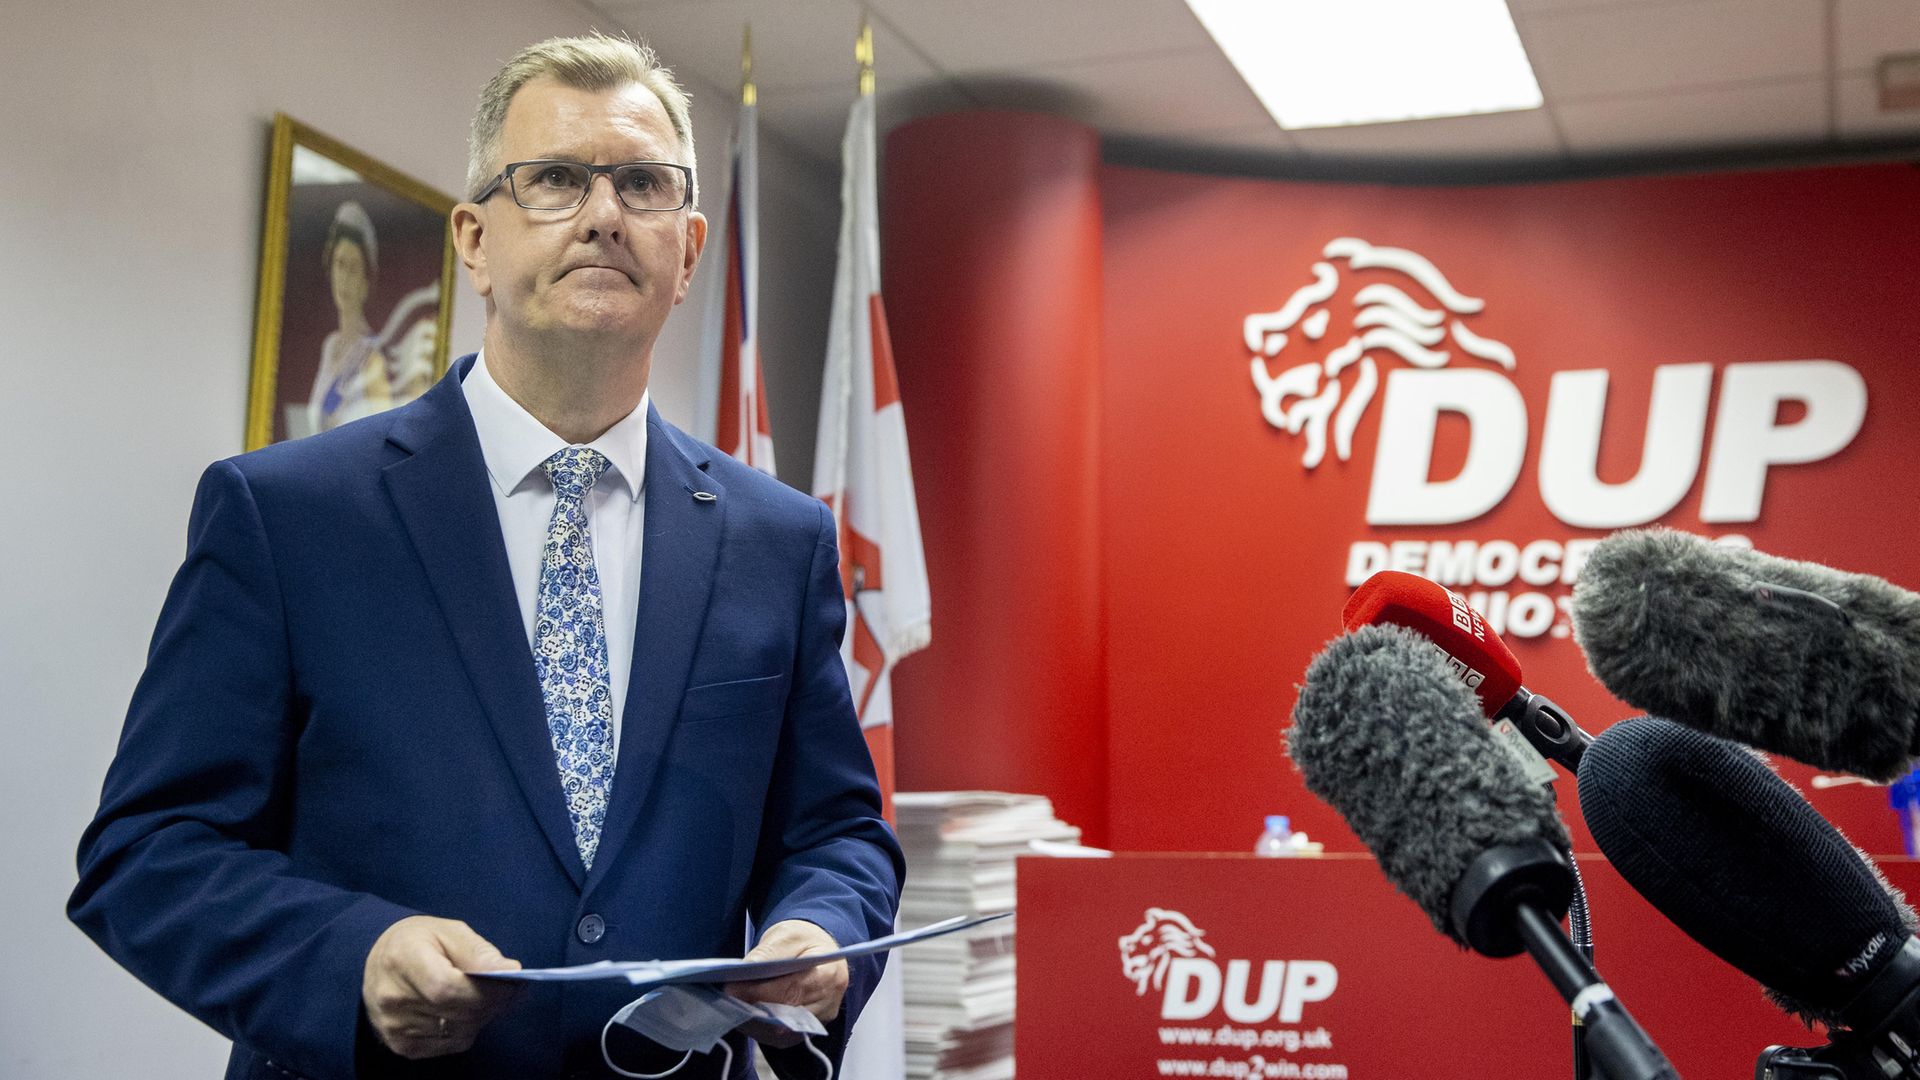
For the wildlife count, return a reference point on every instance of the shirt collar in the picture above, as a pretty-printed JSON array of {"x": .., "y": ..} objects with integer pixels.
[{"x": 514, "y": 444}]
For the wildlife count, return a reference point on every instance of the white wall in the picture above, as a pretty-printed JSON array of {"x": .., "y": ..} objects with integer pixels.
[{"x": 135, "y": 140}]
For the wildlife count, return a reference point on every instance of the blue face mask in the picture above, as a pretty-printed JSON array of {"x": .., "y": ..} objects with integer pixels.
[{"x": 694, "y": 1018}]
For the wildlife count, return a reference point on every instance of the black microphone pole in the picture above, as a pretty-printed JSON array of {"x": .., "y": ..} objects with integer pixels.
[
  {"x": 1505, "y": 904},
  {"x": 1608, "y": 1036}
]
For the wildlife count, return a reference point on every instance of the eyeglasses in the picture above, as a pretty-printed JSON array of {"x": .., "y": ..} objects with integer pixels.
[{"x": 563, "y": 185}]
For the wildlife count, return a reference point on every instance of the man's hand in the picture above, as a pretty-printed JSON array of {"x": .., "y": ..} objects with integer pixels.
[
  {"x": 817, "y": 989},
  {"x": 418, "y": 998}
]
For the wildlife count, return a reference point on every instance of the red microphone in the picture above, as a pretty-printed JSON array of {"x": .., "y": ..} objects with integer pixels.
[{"x": 1474, "y": 652}]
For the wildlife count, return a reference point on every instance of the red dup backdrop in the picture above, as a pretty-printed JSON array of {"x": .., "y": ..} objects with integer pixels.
[
  {"x": 1226, "y": 570},
  {"x": 1132, "y": 562}
]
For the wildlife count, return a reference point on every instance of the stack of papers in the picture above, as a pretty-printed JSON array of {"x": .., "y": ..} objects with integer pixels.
[{"x": 960, "y": 847}]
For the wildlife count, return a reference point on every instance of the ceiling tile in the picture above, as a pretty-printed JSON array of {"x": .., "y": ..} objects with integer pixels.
[
  {"x": 1526, "y": 133},
  {"x": 814, "y": 120},
  {"x": 1609, "y": 51},
  {"x": 1145, "y": 71},
  {"x": 1164, "y": 94},
  {"x": 1055, "y": 97},
  {"x": 795, "y": 42},
  {"x": 1264, "y": 138},
  {"x": 906, "y": 104},
  {"x": 1763, "y": 114},
  {"x": 1866, "y": 30},
  {"x": 1860, "y": 114},
  {"x": 1253, "y": 151},
  {"x": 811, "y": 121},
  {"x": 1523, "y": 8},
  {"x": 962, "y": 36}
]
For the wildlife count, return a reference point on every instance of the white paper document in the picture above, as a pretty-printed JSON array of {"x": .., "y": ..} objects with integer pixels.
[{"x": 662, "y": 972}]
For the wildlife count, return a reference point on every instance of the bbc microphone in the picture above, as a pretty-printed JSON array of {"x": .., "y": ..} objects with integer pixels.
[
  {"x": 1396, "y": 742},
  {"x": 1475, "y": 654},
  {"x": 1740, "y": 862},
  {"x": 1817, "y": 664}
]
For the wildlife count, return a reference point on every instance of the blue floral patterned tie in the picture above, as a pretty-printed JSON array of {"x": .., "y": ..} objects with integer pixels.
[{"x": 570, "y": 649}]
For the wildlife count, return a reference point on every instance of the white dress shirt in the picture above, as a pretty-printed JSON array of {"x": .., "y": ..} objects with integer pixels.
[{"x": 515, "y": 445}]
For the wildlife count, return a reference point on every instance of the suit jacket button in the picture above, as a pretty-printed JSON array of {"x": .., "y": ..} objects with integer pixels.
[{"x": 591, "y": 929}]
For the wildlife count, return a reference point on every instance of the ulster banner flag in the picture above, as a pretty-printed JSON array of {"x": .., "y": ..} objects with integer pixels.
[
  {"x": 861, "y": 470},
  {"x": 861, "y": 467},
  {"x": 741, "y": 427}
]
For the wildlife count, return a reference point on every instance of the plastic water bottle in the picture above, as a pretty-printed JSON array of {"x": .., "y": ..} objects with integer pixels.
[{"x": 1277, "y": 840}]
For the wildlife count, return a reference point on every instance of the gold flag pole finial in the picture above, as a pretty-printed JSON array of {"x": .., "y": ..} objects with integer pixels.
[
  {"x": 863, "y": 54},
  {"x": 748, "y": 95}
]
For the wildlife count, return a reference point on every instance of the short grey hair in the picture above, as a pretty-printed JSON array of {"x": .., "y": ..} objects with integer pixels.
[{"x": 593, "y": 62}]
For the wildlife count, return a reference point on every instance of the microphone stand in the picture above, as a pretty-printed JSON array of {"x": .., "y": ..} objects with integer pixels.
[
  {"x": 1510, "y": 899},
  {"x": 1553, "y": 734}
]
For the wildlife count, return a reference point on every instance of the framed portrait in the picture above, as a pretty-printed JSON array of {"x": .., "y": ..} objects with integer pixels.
[{"x": 356, "y": 288}]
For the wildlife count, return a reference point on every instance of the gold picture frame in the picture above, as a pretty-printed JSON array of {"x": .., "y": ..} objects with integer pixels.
[{"x": 342, "y": 326}]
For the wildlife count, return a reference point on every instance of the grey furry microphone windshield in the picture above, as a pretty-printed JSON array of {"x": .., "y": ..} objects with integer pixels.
[
  {"x": 1796, "y": 658},
  {"x": 1386, "y": 733},
  {"x": 1398, "y": 744}
]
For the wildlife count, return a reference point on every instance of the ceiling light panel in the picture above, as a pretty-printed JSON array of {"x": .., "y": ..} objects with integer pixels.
[{"x": 1320, "y": 63}]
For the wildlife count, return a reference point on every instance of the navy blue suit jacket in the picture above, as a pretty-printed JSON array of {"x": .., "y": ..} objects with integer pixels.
[{"x": 339, "y": 726}]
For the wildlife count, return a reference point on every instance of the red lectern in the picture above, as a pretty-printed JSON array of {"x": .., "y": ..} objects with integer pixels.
[{"x": 1236, "y": 966}]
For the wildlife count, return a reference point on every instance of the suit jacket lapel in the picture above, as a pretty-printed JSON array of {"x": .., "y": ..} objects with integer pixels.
[
  {"x": 441, "y": 495},
  {"x": 677, "y": 565}
]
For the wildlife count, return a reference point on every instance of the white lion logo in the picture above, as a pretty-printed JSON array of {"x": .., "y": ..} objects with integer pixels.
[
  {"x": 1146, "y": 953},
  {"x": 1387, "y": 319}
]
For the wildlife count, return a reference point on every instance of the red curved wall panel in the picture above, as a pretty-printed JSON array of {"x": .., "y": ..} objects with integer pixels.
[{"x": 992, "y": 275}]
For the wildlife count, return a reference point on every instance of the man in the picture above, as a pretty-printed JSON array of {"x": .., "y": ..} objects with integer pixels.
[{"x": 515, "y": 674}]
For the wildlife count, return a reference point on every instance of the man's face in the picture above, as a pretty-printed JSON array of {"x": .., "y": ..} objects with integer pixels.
[{"x": 597, "y": 272}]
